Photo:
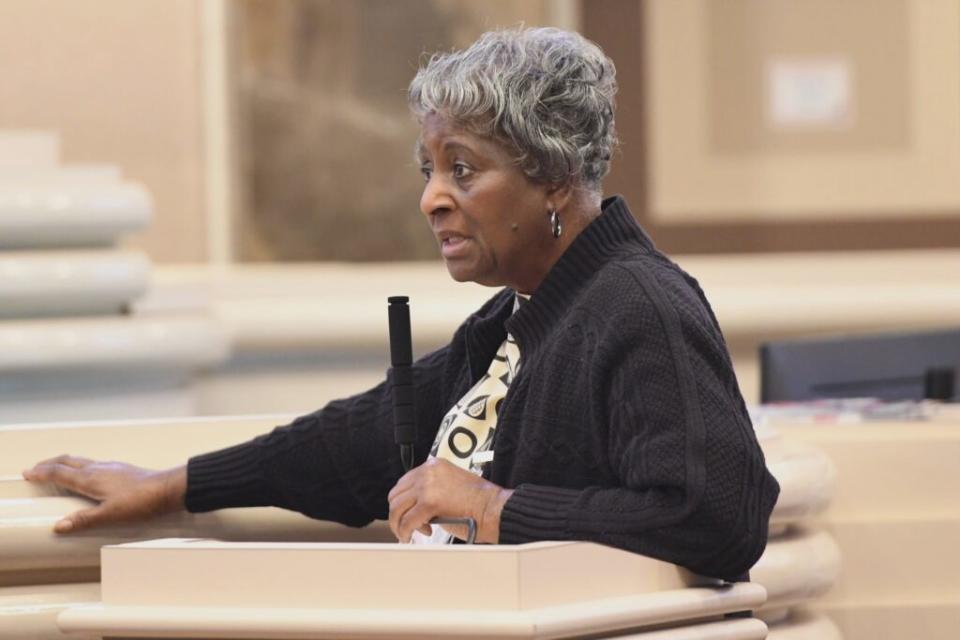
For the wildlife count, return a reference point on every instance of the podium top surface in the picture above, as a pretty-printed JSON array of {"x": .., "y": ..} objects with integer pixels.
[{"x": 210, "y": 589}]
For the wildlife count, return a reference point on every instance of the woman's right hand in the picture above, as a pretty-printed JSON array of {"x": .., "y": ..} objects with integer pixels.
[{"x": 125, "y": 493}]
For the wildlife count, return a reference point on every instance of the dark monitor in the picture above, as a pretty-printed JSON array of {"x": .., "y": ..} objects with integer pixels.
[{"x": 896, "y": 366}]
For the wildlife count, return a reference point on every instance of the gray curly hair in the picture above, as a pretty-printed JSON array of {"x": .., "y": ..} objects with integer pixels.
[{"x": 547, "y": 94}]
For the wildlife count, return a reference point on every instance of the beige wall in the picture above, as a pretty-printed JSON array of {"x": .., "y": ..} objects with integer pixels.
[
  {"x": 891, "y": 147},
  {"x": 121, "y": 81},
  {"x": 704, "y": 170}
]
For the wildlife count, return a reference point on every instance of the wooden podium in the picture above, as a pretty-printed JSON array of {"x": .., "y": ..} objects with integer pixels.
[{"x": 183, "y": 588}]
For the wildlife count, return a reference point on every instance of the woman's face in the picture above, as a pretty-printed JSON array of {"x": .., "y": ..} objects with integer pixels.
[{"x": 490, "y": 220}]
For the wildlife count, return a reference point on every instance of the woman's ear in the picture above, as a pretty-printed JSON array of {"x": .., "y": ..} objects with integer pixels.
[{"x": 559, "y": 195}]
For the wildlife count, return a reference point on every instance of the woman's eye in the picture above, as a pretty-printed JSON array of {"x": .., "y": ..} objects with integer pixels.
[
  {"x": 426, "y": 172},
  {"x": 461, "y": 171}
]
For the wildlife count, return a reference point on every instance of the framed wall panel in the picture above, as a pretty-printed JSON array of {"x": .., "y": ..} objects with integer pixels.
[{"x": 715, "y": 154}]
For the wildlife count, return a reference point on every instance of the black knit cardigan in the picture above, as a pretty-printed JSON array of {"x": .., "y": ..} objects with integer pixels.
[{"x": 625, "y": 425}]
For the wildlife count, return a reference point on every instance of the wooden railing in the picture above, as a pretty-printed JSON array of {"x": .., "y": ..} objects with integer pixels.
[{"x": 44, "y": 573}]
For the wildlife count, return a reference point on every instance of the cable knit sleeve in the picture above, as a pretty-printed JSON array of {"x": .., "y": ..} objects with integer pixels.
[
  {"x": 336, "y": 464},
  {"x": 691, "y": 485}
]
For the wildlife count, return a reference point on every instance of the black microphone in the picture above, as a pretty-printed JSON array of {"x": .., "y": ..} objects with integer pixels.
[
  {"x": 401, "y": 357},
  {"x": 404, "y": 409}
]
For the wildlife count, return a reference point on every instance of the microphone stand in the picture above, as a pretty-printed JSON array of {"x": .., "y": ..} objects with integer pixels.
[{"x": 404, "y": 407}]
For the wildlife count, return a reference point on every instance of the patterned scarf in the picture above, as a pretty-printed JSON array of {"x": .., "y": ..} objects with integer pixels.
[{"x": 466, "y": 432}]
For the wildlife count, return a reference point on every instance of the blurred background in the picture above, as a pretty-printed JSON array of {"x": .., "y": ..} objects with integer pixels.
[
  {"x": 747, "y": 126},
  {"x": 278, "y": 131},
  {"x": 802, "y": 159}
]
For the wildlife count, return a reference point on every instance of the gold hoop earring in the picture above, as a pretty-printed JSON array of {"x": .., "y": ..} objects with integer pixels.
[{"x": 555, "y": 227}]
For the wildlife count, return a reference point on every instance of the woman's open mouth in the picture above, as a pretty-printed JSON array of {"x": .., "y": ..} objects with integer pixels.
[{"x": 453, "y": 246}]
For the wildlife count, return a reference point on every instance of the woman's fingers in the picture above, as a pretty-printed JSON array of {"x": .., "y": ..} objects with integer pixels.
[
  {"x": 59, "y": 474},
  {"x": 437, "y": 488},
  {"x": 126, "y": 493},
  {"x": 404, "y": 483},
  {"x": 84, "y": 519},
  {"x": 440, "y": 489},
  {"x": 76, "y": 462},
  {"x": 417, "y": 518},
  {"x": 408, "y": 514},
  {"x": 79, "y": 480},
  {"x": 400, "y": 503}
]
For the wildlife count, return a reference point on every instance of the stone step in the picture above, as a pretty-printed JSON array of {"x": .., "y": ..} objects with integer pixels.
[
  {"x": 71, "y": 214},
  {"x": 70, "y": 283}
]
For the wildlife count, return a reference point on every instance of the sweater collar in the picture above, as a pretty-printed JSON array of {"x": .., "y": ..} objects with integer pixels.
[{"x": 604, "y": 237}]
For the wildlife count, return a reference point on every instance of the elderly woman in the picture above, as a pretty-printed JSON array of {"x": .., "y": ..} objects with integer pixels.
[{"x": 591, "y": 398}]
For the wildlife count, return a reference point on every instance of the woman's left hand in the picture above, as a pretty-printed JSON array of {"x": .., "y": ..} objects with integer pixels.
[{"x": 440, "y": 489}]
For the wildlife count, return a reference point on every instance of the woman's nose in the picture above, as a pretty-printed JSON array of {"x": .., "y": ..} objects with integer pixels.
[{"x": 436, "y": 196}]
